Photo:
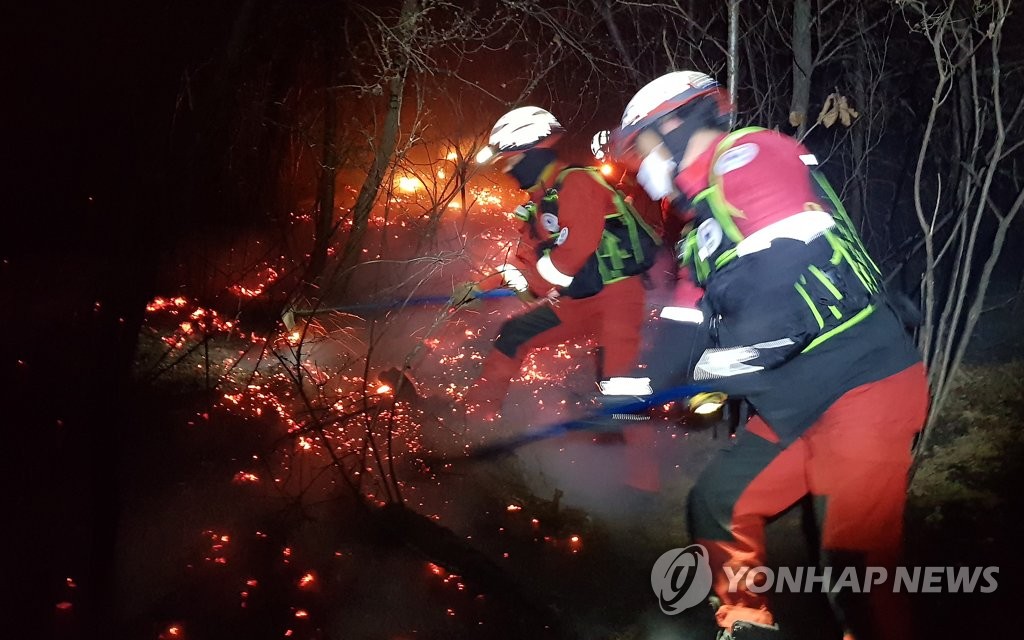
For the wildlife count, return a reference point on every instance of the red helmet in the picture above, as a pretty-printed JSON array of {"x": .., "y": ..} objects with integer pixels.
[{"x": 665, "y": 95}]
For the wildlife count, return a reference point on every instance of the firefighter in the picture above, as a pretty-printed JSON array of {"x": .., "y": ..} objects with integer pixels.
[
  {"x": 657, "y": 213},
  {"x": 582, "y": 249},
  {"x": 795, "y": 318}
]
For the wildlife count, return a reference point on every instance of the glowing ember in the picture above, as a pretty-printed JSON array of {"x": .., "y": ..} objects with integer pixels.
[
  {"x": 218, "y": 547},
  {"x": 383, "y": 389},
  {"x": 244, "y": 477},
  {"x": 513, "y": 507},
  {"x": 264, "y": 279},
  {"x": 575, "y": 544},
  {"x": 435, "y": 569},
  {"x": 307, "y": 580}
]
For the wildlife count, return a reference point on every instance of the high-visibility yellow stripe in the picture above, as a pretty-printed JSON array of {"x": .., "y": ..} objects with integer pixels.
[
  {"x": 825, "y": 281},
  {"x": 864, "y": 313},
  {"x": 810, "y": 305}
]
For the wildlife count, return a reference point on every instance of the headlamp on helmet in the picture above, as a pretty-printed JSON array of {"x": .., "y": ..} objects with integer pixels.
[{"x": 485, "y": 154}]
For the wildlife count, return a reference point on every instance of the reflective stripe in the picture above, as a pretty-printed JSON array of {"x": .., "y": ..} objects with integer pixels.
[
  {"x": 513, "y": 277},
  {"x": 547, "y": 270},
  {"x": 626, "y": 387},
  {"x": 683, "y": 314},
  {"x": 804, "y": 226},
  {"x": 722, "y": 363},
  {"x": 809, "y": 159}
]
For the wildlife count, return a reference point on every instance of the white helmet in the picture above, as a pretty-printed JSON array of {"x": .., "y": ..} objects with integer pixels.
[
  {"x": 599, "y": 145},
  {"x": 521, "y": 129},
  {"x": 665, "y": 95}
]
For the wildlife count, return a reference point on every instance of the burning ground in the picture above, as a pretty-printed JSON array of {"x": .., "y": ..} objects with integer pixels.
[
  {"x": 284, "y": 481},
  {"x": 294, "y": 480}
]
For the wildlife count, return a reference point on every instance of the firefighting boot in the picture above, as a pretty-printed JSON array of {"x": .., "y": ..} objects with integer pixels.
[{"x": 613, "y": 403}]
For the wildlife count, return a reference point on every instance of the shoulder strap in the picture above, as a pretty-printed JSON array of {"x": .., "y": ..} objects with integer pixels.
[
  {"x": 564, "y": 173},
  {"x": 622, "y": 207}
]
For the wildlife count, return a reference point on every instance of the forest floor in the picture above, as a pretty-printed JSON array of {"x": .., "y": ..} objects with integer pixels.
[
  {"x": 217, "y": 558},
  {"x": 229, "y": 530}
]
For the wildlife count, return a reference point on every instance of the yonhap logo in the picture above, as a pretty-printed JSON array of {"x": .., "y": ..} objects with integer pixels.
[{"x": 681, "y": 578}]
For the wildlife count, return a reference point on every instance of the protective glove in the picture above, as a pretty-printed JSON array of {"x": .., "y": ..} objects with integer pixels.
[
  {"x": 525, "y": 212},
  {"x": 465, "y": 294},
  {"x": 526, "y": 296}
]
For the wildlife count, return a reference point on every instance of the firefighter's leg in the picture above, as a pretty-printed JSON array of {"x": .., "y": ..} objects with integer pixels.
[
  {"x": 542, "y": 326},
  {"x": 622, "y": 316},
  {"x": 860, "y": 455},
  {"x": 751, "y": 481}
]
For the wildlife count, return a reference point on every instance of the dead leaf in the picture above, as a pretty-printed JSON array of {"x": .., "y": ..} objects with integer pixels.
[
  {"x": 797, "y": 118},
  {"x": 828, "y": 113},
  {"x": 847, "y": 114}
]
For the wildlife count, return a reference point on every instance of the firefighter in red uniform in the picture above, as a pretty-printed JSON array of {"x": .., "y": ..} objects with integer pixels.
[
  {"x": 796, "y": 320},
  {"x": 585, "y": 279}
]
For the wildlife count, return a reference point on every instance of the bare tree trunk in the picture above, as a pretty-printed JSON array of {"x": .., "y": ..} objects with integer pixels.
[
  {"x": 620, "y": 45},
  {"x": 927, "y": 226},
  {"x": 802, "y": 66},
  {"x": 858, "y": 136},
  {"x": 324, "y": 227},
  {"x": 734, "y": 55},
  {"x": 382, "y": 156}
]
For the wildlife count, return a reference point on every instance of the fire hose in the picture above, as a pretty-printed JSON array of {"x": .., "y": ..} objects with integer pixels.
[{"x": 595, "y": 421}]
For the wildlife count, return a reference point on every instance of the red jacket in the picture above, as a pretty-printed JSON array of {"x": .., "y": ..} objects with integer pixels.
[{"x": 582, "y": 206}]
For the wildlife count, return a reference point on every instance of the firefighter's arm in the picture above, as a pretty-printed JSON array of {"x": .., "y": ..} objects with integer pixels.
[
  {"x": 516, "y": 272},
  {"x": 582, "y": 204}
]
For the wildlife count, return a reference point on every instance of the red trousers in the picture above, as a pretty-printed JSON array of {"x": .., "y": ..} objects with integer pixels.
[
  {"x": 613, "y": 318},
  {"x": 855, "y": 461}
]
